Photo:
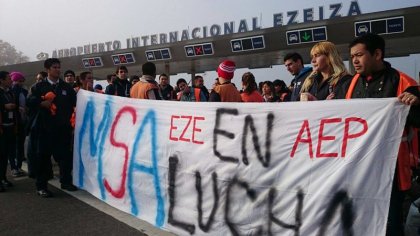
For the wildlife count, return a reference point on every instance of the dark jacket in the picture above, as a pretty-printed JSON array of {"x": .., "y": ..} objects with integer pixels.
[
  {"x": 119, "y": 88},
  {"x": 8, "y": 117},
  {"x": 65, "y": 101},
  {"x": 321, "y": 90},
  {"x": 384, "y": 84},
  {"x": 167, "y": 92},
  {"x": 18, "y": 91},
  {"x": 299, "y": 80}
]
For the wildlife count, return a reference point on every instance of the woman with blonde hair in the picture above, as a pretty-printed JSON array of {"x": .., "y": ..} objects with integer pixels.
[{"x": 329, "y": 78}]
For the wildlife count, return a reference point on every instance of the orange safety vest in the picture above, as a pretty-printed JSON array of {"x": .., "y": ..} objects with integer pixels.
[
  {"x": 408, "y": 156},
  {"x": 141, "y": 88},
  {"x": 197, "y": 92}
]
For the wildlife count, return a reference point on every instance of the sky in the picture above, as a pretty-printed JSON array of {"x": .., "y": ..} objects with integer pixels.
[{"x": 35, "y": 26}]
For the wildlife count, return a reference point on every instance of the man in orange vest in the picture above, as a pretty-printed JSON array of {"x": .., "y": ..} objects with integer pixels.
[
  {"x": 147, "y": 87},
  {"x": 375, "y": 78}
]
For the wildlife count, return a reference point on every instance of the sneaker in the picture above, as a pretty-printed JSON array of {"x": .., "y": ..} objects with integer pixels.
[
  {"x": 6, "y": 183},
  {"x": 44, "y": 193},
  {"x": 18, "y": 173},
  {"x": 15, "y": 173}
]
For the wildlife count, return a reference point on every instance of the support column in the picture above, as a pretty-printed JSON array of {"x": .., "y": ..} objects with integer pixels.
[
  {"x": 167, "y": 71},
  {"x": 192, "y": 77}
]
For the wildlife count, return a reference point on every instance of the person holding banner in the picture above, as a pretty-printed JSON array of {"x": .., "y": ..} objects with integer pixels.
[
  {"x": 329, "y": 76},
  {"x": 375, "y": 78},
  {"x": 225, "y": 91}
]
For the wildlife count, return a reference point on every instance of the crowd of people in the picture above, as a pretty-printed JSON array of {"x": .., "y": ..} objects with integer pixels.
[{"x": 45, "y": 113}]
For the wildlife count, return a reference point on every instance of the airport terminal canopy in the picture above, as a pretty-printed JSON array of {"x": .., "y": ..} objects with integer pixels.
[{"x": 250, "y": 47}]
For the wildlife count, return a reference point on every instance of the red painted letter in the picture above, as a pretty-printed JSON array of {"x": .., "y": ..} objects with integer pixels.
[
  {"x": 173, "y": 128},
  {"x": 348, "y": 136},
  {"x": 196, "y": 129},
  {"x": 185, "y": 129},
  {"x": 305, "y": 127},
  {"x": 119, "y": 193},
  {"x": 326, "y": 138}
]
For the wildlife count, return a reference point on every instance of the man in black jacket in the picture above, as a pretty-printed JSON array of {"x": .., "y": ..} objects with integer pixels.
[
  {"x": 294, "y": 64},
  {"x": 120, "y": 86},
  {"x": 51, "y": 103}
]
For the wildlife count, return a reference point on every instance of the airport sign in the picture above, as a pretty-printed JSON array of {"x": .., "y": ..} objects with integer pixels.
[
  {"x": 307, "y": 35},
  {"x": 158, "y": 55},
  {"x": 92, "y": 62},
  {"x": 247, "y": 44},
  {"x": 124, "y": 58},
  {"x": 380, "y": 26},
  {"x": 195, "y": 50}
]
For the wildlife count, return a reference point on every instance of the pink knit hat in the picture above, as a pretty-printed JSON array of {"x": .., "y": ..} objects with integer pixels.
[
  {"x": 226, "y": 69},
  {"x": 16, "y": 76}
]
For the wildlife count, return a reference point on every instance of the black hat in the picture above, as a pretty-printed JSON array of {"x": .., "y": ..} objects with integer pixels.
[
  {"x": 98, "y": 86},
  {"x": 69, "y": 72}
]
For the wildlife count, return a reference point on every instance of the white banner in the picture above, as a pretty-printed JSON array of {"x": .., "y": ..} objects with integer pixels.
[{"x": 302, "y": 168}]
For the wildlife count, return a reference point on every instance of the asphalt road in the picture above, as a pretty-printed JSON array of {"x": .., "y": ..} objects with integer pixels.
[{"x": 22, "y": 212}]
